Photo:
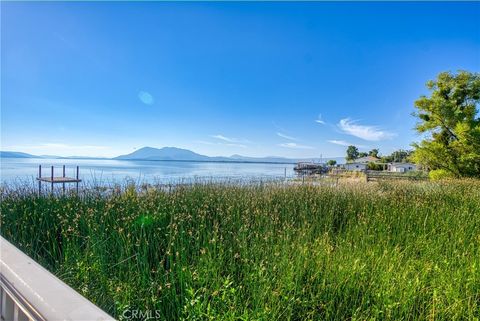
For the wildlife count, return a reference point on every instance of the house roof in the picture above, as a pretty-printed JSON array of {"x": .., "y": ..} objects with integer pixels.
[
  {"x": 366, "y": 159},
  {"x": 404, "y": 164}
]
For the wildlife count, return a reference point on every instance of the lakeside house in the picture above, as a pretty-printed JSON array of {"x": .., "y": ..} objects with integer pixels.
[
  {"x": 401, "y": 167},
  {"x": 360, "y": 164},
  {"x": 366, "y": 160},
  {"x": 355, "y": 166}
]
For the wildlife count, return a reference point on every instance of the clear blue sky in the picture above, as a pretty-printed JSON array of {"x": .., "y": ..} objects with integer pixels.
[{"x": 257, "y": 79}]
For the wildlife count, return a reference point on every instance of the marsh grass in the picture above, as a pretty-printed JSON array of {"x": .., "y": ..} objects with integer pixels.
[{"x": 393, "y": 251}]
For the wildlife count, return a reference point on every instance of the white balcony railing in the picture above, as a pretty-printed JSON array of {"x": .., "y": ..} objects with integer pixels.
[{"x": 30, "y": 292}]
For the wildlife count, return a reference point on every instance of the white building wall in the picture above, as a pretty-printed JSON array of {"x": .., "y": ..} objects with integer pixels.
[
  {"x": 355, "y": 166},
  {"x": 402, "y": 168}
]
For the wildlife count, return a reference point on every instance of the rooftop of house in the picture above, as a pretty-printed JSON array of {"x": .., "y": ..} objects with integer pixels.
[
  {"x": 366, "y": 159},
  {"x": 401, "y": 163}
]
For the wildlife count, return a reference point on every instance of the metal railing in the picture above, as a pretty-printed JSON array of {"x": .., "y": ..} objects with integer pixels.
[{"x": 30, "y": 292}]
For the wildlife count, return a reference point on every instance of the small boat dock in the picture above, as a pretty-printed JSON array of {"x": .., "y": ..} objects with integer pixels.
[
  {"x": 52, "y": 179},
  {"x": 309, "y": 168}
]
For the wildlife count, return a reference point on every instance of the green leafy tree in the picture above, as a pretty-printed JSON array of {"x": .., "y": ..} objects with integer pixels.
[
  {"x": 352, "y": 153},
  {"x": 373, "y": 152},
  {"x": 332, "y": 162},
  {"x": 449, "y": 120},
  {"x": 397, "y": 156},
  {"x": 375, "y": 167},
  {"x": 362, "y": 154},
  {"x": 400, "y": 156}
]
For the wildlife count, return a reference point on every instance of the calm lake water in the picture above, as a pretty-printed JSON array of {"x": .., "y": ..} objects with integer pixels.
[{"x": 20, "y": 170}]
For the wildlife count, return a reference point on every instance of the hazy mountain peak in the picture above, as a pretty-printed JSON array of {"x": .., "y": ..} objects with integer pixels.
[{"x": 165, "y": 153}]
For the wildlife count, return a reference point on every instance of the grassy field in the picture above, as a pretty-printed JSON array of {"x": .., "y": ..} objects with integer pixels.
[{"x": 385, "y": 251}]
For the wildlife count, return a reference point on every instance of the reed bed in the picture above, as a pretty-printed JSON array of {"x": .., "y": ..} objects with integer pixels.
[{"x": 385, "y": 251}]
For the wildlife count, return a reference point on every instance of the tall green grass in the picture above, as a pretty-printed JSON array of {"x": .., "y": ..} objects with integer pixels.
[{"x": 385, "y": 251}]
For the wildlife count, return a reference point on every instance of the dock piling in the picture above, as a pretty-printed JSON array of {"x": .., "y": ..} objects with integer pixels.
[
  {"x": 52, "y": 178},
  {"x": 77, "y": 179},
  {"x": 63, "y": 184},
  {"x": 39, "y": 181}
]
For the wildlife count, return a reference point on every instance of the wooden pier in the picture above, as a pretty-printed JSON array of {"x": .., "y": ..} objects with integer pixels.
[
  {"x": 305, "y": 168},
  {"x": 52, "y": 179}
]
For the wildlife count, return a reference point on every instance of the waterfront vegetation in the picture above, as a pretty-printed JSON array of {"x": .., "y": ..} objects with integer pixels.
[{"x": 357, "y": 251}]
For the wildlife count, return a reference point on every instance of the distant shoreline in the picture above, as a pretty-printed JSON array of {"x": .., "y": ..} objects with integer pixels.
[{"x": 204, "y": 161}]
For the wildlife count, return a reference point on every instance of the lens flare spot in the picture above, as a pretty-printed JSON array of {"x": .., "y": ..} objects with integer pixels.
[{"x": 145, "y": 97}]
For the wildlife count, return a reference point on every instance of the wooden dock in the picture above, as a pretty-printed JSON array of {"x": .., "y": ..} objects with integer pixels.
[
  {"x": 52, "y": 179},
  {"x": 306, "y": 168},
  {"x": 58, "y": 179}
]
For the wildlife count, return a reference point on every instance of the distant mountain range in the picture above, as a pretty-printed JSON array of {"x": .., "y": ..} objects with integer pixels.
[
  {"x": 177, "y": 154},
  {"x": 10, "y": 154},
  {"x": 7, "y": 154}
]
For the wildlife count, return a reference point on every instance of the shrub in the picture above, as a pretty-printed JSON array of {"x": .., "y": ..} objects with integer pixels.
[
  {"x": 375, "y": 167},
  {"x": 439, "y": 174}
]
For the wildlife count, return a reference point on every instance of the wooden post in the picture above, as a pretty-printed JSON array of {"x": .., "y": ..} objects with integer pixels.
[
  {"x": 63, "y": 184},
  {"x": 52, "y": 179},
  {"x": 39, "y": 181},
  {"x": 77, "y": 180}
]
